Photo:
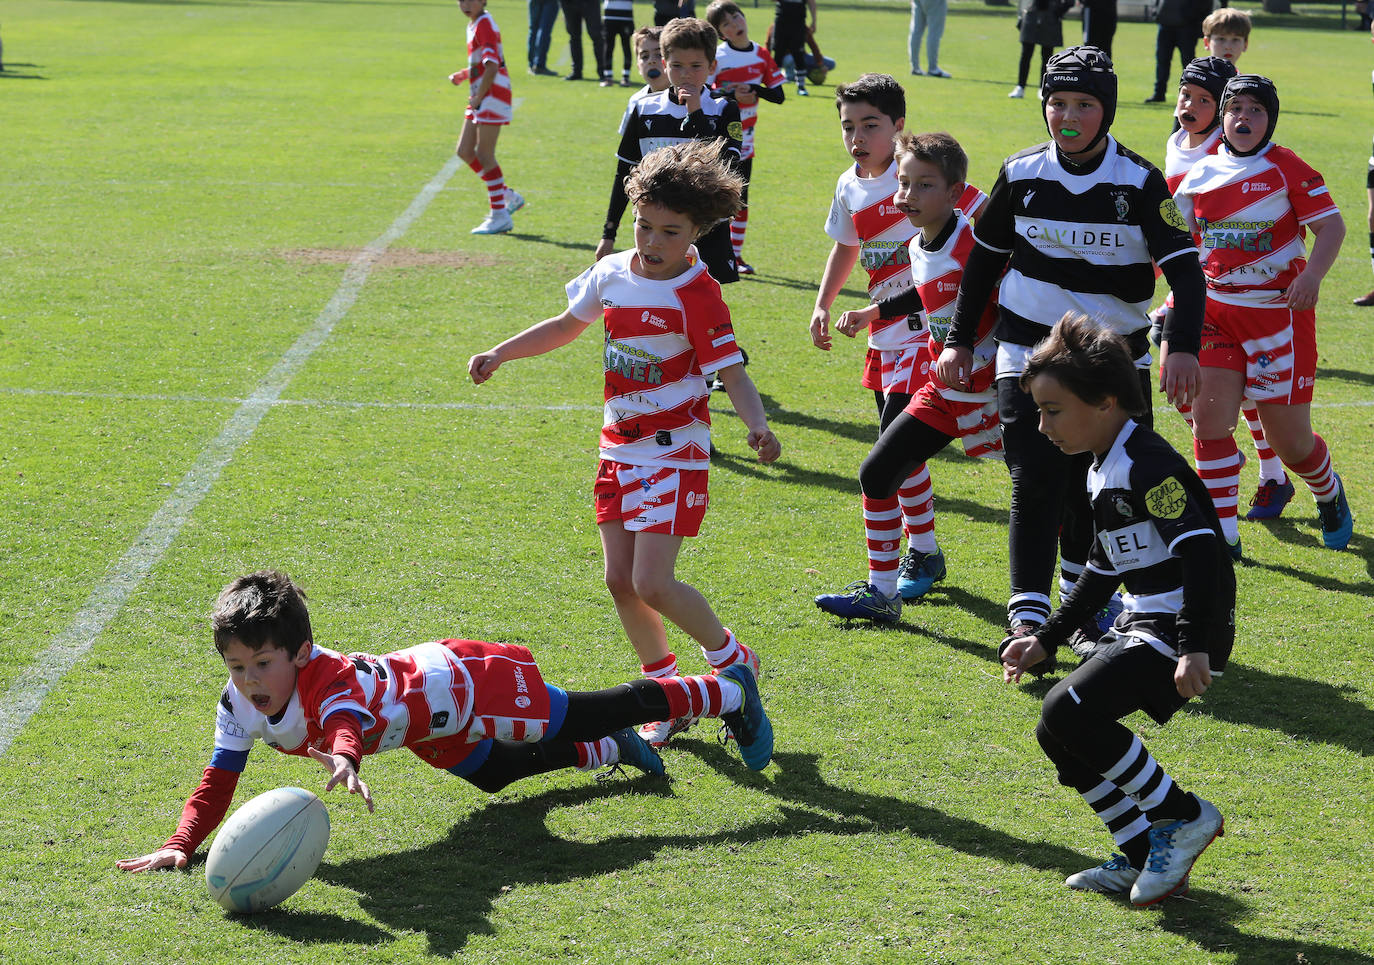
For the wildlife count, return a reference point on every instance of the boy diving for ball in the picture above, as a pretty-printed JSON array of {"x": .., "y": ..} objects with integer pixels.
[{"x": 479, "y": 710}]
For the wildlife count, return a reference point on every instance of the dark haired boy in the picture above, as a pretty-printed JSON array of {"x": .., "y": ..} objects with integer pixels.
[
  {"x": 686, "y": 111},
  {"x": 479, "y": 710},
  {"x": 868, "y": 228}
]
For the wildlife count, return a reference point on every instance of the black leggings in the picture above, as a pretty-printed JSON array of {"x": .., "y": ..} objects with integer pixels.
[
  {"x": 610, "y": 30},
  {"x": 1049, "y": 498},
  {"x": 1023, "y": 71},
  {"x": 789, "y": 37},
  {"x": 591, "y": 716},
  {"x": 906, "y": 442}
]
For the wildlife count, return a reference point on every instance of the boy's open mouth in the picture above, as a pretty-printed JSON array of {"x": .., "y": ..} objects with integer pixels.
[{"x": 1188, "y": 117}]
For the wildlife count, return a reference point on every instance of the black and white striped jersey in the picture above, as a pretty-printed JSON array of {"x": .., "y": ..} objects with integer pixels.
[
  {"x": 1084, "y": 242},
  {"x": 658, "y": 120},
  {"x": 1147, "y": 502}
]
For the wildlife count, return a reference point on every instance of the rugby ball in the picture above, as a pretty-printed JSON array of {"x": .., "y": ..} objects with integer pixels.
[{"x": 267, "y": 849}]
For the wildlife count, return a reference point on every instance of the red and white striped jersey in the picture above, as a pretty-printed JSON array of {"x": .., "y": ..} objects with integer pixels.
[
  {"x": 1251, "y": 214},
  {"x": 403, "y": 699},
  {"x": 660, "y": 337},
  {"x": 484, "y": 46},
  {"x": 937, "y": 273},
  {"x": 862, "y": 214},
  {"x": 752, "y": 66},
  {"x": 1179, "y": 160}
]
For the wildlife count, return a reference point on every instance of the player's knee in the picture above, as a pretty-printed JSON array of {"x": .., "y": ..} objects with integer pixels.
[
  {"x": 876, "y": 479},
  {"x": 621, "y": 584},
  {"x": 1060, "y": 714},
  {"x": 653, "y": 589}
]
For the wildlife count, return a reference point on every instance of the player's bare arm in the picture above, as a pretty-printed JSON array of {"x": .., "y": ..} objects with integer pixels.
[
  {"x": 1328, "y": 233},
  {"x": 546, "y": 336},
  {"x": 838, "y": 266},
  {"x": 749, "y": 407}
]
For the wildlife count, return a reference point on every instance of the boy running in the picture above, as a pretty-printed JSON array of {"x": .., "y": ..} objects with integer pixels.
[
  {"x": 480, "y": 711},
  {"x": 868, "y": 228},
  {"x": 1252, "y": 204},
  {"x": 665, "y": 323},
  {"x": 1156, "y": 533},
  {"x": 931, "y": 179},
  {"x": 488, "y": 110}
]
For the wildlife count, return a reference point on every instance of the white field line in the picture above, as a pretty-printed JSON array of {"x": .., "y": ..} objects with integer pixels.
[
  {"x": 108, "y": 597},
  {"x": 307, "y": 403},
  {"x": 365, "y": 404}
]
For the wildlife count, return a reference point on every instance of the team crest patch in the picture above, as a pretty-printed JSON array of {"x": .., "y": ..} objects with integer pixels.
[
  {"x": 1123, "y": 207},
  {"x": 1167, "y": 500},
  {"x": 735, "y": 129},
  {"x": 1173, "y": 217}
]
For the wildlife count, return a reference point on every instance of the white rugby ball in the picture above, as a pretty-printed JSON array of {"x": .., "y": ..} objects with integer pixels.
[{"x": 267, "y": 849}]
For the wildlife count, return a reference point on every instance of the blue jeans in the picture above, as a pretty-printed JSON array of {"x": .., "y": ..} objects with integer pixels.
[
  {"x": 927, "y": 15},
  {"x": 543, "y": 15}
]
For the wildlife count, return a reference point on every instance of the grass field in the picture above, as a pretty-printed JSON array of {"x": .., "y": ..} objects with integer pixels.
[{"x": 234, "y": 328}]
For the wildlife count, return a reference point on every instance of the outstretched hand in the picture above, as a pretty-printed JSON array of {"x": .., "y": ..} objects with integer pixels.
[
  {"x": 341, "y": 772},
  {"x": 161, "y": 858}
]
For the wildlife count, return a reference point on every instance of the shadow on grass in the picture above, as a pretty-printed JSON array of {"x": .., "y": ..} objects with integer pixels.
[
  {"x": 315, "y": 927},
  {"x": 1346, "y": 375},
  {"x": 1304, "y": 534}
]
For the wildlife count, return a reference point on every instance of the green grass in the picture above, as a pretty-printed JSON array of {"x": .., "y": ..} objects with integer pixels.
[{"x": 183, "y": 184}]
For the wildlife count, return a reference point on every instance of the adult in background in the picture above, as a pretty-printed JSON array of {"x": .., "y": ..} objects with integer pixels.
[
  {"x": 543, "y": 15},
  {"x": 575, "y": 14},
  {"x": 1041, "y": 23},
  {"x": 665, "y": 10},
  {"x": 927, "y": 15},
  {"x": 1180, "y": 26},
  {"x": 1099, "y": 24}
]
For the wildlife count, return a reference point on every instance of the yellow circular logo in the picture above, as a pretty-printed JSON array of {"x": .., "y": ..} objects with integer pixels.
[
  {"x": 735, "y": 129},
  {"x": 1167, "y": 500},
  {"x": 1171, "y": 215}
]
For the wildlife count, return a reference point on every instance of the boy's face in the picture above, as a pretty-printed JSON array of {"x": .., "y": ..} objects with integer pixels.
[
  {"x": 1226, "y": 46},
  {"x": 266, "y": 677},
  {"x": 472, "y": 9},
  {"x": 688, "y": 68},
  {"x": 1069, "y": 422},
  {"x": 868, "y": 134},
  {"x": 662, "y": 237},
  {"x": 1196, "y": 109},
  {"x": 650, "y": 59},
  {"x": 733, "y": 29},
  {"x": 1074, "y": 119},
  {"x": 923, "y": 194},
  {"x": 1245, "y": 122}
]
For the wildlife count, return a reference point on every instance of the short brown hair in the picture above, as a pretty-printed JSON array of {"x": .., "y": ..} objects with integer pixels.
[
  {"x": 880, "y": 90},
  {"x": 689, "y": 33},
  {"x": 259, "y": 610},
  {"x": 1092, "y": 362},
  {"x": 719, "y": 10},
  {"x": 648, "y": 30},
  {"x": 691, "y": 178},
  {"x": 1227, "y": 21},
  {"x": 939, "y": 149}
]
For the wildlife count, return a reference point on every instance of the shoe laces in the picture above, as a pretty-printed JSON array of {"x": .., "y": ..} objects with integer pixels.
[
  {"x": 1161, "y": 846},
  {"x": 610, "y": 774},
  {"x": 1267, "y": 492},
  {"x": 1117, "y": 862}
]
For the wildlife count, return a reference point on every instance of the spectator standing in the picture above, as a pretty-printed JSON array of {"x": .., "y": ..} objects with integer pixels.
[
  {"x": 575, "y": 14},
  {"x": 543, "y": 15},
  {"x": 927, "y": 17},
  {"x": 1041, "y": 23},
  {"x": 1099, "y": 24},
  {"x": 1180, "y": 27}
]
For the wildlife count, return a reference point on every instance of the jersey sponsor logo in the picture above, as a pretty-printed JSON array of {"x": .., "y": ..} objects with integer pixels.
[
  {"x": 718, "y": 342},
  {"x": 1027, "y": 199},
  {"x": 880, "y": 254},
  {"x": 735, "y": 129},
  {"x": 1259, "y": 187},
  {"x": 1306, "y": 381},
  {"x": 693, "y": 500},
  {"x": 939, "y": 326},
  {"x": 945, "y": 287},
  {"x": 1075, "y": 237},
  {"x": 438, "y": 721},
  {"x": 649, "y": 318},
  {"x": 663, "y": 437},
  {"x": 520, "y": 686},
  {"x": 1167, "y": 500},
  {"x": 1173, "y": 217},
  {"x": 229, "y": 725},
  {"x": 633, "y": 363},
  {"x": 1237, "y": 235}
]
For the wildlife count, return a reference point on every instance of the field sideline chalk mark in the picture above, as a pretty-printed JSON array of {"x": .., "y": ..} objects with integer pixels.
[{"x": 108, "y": 597}]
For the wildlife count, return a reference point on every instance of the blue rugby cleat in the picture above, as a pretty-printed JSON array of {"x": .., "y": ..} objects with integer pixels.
[
  {"x": 1337, "y": 522},
  {"x": 918, "y": 572},
  {"x": 1270, "y": 499},
  {"x": 752, "y": 729},
  {"x": 636, "y": 752}
]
